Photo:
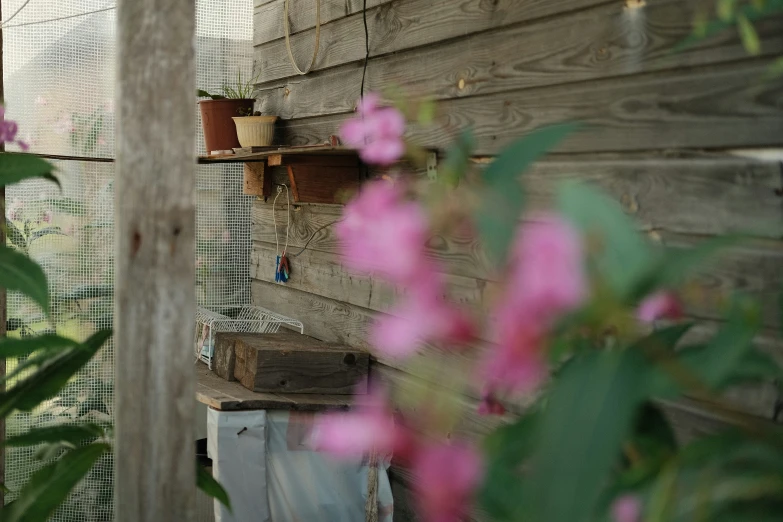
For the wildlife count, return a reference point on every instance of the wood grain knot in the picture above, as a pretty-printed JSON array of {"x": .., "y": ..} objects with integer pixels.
[
  {"x": 135, "y": 243},
  {"x": 349, "y": 359}
]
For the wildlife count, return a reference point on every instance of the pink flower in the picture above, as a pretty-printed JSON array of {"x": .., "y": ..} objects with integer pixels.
[
  {"x": 547, "y": 274},
  {"x": 47, "y": 216},
  {"x": 64, "y": 125},
  {"x": 490, "y": 405},
  {"x": 547, "y": 279},
  {"x": 14, "y": 210},
  {"x": 660, "y": 305},
  {"x": 627, "y": 508},
  {"x": 447, "y": 477},
  {"x": 423, "y": 316},
  {"x": 101, "y": 141},
  {"x": 375, "y": 132},
  {"x": 40, "y": 100},
  {"x": 226, "y": 236},
  {"x": 381, "y": 232},
  {"x": 369, "y": 426},
  {"x": 8, "y": 131},
  {"x": 199, "y": 262},
  {"x": 517, "y": 365}
]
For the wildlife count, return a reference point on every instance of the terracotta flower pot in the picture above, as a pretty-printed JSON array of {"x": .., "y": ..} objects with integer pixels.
[
  {"x": 219, "y": 130},
  {"x": 255, "y": 131}
]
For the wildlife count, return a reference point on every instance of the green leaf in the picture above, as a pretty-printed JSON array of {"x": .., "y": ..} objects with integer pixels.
[
  {"x": 714, "y": 27},
  {"x": 502, "y": 205},
  {"x": 775, "y": 70},
  {"x": 201, "y": 93},
  {"x": 15, "y": 235},
  {"x": 426, "y": 112},
  {"x": 50, "y": 377},
  {"x": 726, "y": 9},
  {"x": 43, "y": 232},
  {"x": 589, "y": 414},
  {"x": 72, "y": 434},
  {"x": 506, "y": 449},
  {"x": 19, "y": 272},
  {"x": 677, "y": 264},
  {"x": 207, "y": 483},
  {"x": 713, "y": 363},
  {"x": 780, "y": 309},
  {"x": 664, "y": 338},
  {"x": 16, "y": 167},
  {"x": 458, "y": 158},
  {"x": 48, "y": 488},
  {"x": 10, "y": 347},
  {"x": 729, "y": 345},
  {"x": 750, "y": 38},
  {"x": 622, "y": 256},
  {"x": 89, "y": 292},
  {"x": 68, "y": 206}
]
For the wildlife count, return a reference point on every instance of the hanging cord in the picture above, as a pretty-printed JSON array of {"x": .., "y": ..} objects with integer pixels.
[
  {"x": 2, "y": 23},
  {"x": 366, "y": 48},
  {"x": 371, "y": 504},
  {"x": 38, "y": 22},
  {"x": 274, "y": 219},
  {"x": 287, "y": 25}
]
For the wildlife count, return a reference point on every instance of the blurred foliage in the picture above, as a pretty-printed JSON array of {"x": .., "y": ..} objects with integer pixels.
[{"x": 44, "y": 365}]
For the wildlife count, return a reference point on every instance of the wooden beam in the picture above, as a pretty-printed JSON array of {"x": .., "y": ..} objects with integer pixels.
[{"x": 155, "y": 299}]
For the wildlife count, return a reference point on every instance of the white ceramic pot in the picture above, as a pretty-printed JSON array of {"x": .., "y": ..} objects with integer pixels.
[{"x": 255, "y": 131}]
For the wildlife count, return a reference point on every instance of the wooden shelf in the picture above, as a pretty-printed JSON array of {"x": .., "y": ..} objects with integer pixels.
[
  {"x": 317, "y": 173},
  {"x": 223, "y": 395},
  {"x": 262, "y": 153}
]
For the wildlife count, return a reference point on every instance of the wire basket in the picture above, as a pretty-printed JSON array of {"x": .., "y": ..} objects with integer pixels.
[{"x": 244, "y": 319}]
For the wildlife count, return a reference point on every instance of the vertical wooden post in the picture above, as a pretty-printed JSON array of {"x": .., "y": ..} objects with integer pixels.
[{"x": 155, "y": 296}]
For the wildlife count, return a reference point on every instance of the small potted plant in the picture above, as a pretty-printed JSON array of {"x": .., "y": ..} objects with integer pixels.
[
  {"x": 255, "y": 130},
  {"x": 216, "y": 112}
]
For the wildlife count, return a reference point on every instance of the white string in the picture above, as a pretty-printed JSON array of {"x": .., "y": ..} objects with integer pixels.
[
  {"x": 2, "y": 24},
  {"x": 288, "y": 224},
  {"x": 274, "y": 220}
]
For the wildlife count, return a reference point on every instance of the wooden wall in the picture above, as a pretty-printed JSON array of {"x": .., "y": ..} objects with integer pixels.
[{"x": 664, "y": 129}]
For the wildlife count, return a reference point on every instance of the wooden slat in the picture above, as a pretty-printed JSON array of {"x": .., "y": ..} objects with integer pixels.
[
  {"x": 155, "y": 299},
  {"x": 462, "y": 255},
  {"x": 584, "y": 45},
  {"x": 229, "y": 396},
  {"x": 703, "y": 195},
  {"x": 321, "y": 273},
  {"x": 753, "y": 268},
  {"x": 402, "y": 24},
  {"x": 725, "y": 106},
  {"x": 268, "y": 18}
]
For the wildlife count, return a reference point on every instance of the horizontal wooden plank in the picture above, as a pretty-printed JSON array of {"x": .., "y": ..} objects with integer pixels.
[
  {"x": 462, "y": 256},
  {"x": 230, "y": 396},
  {"x": 268, "y": 17},
  {"x": 707, "y": 195},
  {"x": 713, "y": 107},
  {"x": 691, "y": 418},
  {"x": 321, "y": 273},
  {"x": 399, "y": 25},
  {"x": 753, "y": 268},
  {"x": 583, "y": 45}
]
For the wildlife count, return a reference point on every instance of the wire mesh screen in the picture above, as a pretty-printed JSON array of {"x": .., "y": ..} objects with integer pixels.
[{"x": 59, "y": 70}]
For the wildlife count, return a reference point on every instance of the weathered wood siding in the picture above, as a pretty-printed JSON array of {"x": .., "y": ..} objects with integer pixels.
[{"x": 663, "y": 127}]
